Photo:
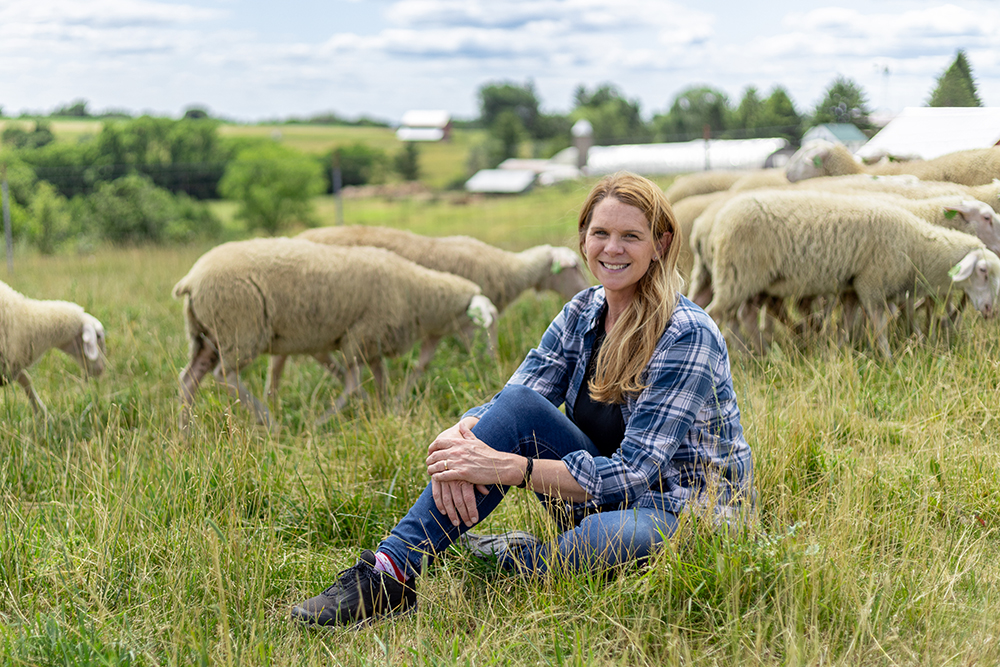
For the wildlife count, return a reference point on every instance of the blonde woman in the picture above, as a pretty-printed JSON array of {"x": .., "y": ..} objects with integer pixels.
[{"x": 651, "y": 425}]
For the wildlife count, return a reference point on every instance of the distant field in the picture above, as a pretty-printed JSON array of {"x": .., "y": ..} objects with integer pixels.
[{"x": 442, "y": 163}]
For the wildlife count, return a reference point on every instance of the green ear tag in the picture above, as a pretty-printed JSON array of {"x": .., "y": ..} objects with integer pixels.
[
  {"x": 556, "y": 268},
  {"x": 950, "y": 214},
  {"x": 817, "y": 162},
  {"x": 953, "y": 271}
]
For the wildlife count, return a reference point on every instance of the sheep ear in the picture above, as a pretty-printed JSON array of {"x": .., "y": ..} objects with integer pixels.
[
  {"x": 563, "y": 258},
  {"x": 963, "y": 269},
  {"x": 90, "y": 347}
]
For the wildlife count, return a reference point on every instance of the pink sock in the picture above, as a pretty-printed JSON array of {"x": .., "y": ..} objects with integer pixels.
[{"x": 385, "y": 564}]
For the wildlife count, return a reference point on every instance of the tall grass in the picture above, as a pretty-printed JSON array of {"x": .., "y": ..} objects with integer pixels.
[{"x": 122, "y": 543}]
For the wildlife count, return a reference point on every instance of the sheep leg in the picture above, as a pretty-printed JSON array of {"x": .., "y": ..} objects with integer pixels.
[
  {"x": 352, "y": 380},
  {"x": 877, "y": 316},
  {"x": 749, "y": 315},
  {"x": 231, "y": 378},
  {"x": 203, "y": 359},
  {"x": 427, "y": 348},
  {"x": 277, "y": 367},
  {"x": 36, "y": 402}
]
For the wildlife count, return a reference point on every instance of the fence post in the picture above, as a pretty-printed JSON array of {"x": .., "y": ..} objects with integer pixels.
[
  {"x": 8, "y": 232},
  {"x": 338, "y": 184},
  {"x": 706, "y": 134}
]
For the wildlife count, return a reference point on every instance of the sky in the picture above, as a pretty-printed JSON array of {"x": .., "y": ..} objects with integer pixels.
[{"x": 253, "y": 60}]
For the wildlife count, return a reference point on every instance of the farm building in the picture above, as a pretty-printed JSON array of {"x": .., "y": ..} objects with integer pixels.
[
  {"x": 418, "y": 125},
  {"x": 681, "y": 157},
  {"x": 836, "y": 133},
  {"x": 929, "y": 132}
]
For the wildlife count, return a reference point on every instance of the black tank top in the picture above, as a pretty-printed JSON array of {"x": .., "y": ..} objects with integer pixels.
[{"x": 601, "y": 422}]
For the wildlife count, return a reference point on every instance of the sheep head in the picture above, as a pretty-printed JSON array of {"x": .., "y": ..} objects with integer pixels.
[
  {"x": 980, "y": 217},
  {"x": 88, "y": 346},
  {"x": 482, "y": 311},
  {"x": 978, "y": 274},
  {"x": 566, "y": 275}
]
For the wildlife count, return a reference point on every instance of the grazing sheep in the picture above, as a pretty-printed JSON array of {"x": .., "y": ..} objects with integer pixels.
[
  {"x": 291, "y": 296},
  {"x": 953, "y": 211},
  {"x": 502, "y": 275},
  {"x": 969, "y": 167},
  {"x": 686, "y": 212},
  {"x": 762, "y": 178},
  {"x": 803, "y": 244},
  {"x": 702, "y": 183},
  {"x": 903, "y": 185},
  {"x": 29, "y": 328}
]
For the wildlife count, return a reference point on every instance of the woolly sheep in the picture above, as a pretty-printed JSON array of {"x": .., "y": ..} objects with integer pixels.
[
  {"x": 702, "y": 183},
  {"x": 502, "y": 275},
  {"x": 802, "y": 244},
  {"x": 29, "y": 328},
  {"x": 291, "y": 296},
  {"x": 762, "y": 178},
  {"x": 953, "y": 211},
  {"x": 969, "y": 167}
]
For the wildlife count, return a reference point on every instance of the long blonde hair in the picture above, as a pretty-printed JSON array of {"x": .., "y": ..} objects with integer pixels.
[{"x": 631, "y": 342}]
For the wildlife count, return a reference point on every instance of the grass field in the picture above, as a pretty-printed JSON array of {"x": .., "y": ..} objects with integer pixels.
[{"x": 122, "y": 543}]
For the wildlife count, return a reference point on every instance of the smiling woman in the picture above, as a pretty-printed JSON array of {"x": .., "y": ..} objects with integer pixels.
[{"x": 651, "y": 427}]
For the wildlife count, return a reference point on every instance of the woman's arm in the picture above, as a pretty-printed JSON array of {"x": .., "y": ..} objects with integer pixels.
[{"x": 458, "y": 461}]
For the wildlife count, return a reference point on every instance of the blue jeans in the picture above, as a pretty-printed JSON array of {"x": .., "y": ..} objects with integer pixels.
[{"x": 523, "y": 422}]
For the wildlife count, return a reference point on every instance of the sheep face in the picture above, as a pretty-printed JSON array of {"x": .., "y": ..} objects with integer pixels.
[
  {"x": 980, "y": 217},
  {"x": 808, "y": 161},
  {"x": 482, "y": 312},
  {"x": 88, "y": 346},
  {"x": 978, "y": 274},
  {"x": 566, "y": 277}
]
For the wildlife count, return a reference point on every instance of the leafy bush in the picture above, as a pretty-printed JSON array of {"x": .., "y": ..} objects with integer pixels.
[
  {"x": 50, "y": 220},
  {"x": 273, "y": 185},
  {"x": 407, "y": 162},
  {"x": 132, "y": 209},
  {"x": 360, "y": 164}
]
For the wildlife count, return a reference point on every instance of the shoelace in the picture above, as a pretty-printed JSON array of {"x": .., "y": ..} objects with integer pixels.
[{"x": 348, "y": 576}]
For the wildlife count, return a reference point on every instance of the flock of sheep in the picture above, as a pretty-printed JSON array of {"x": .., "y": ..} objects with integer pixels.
[
  {"x": 827, "y": 227},
  {"x": 351, "y": 289},
  {"x": 824, "y": 230}
]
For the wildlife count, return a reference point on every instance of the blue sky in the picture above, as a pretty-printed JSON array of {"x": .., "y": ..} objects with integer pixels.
[{"x": 252, "y": 60}]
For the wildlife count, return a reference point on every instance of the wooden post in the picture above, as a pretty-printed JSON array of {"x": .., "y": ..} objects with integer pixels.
[
  {"x": 8, "y": 232},
  {"x": 338, "y": 184}
]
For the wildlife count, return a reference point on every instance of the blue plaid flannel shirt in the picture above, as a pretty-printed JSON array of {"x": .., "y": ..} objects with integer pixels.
[{"x": 683, "y": 440}]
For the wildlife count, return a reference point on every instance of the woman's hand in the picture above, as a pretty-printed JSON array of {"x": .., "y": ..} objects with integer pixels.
[{"x": 461, "y": 464}]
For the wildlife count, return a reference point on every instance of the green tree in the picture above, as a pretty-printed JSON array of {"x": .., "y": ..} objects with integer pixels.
[
  {"x": 499, "y": 97},
  {"x": 360, "y": 164},
  {"x": 746, "y": 120},
  {"x": 691, "y": 111},
  {"x": 273, "y": 185},
  {"x": 779, "y": 118},
  {"x": 956, "y": 87},
  {"x": 615, "y": 119},
  {"x": 407, "y": 162},
  {"x": 16, "y": 136},
  {"x": 76, "y": 109},
  {"x": 506, "y": 135},
  {"x": 50, "y": 218},
  {"x": 843, "y": 102}
]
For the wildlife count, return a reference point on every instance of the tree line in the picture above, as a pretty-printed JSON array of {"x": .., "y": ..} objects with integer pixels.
[
  {"x": 145, "y": 179},
  {"x": 511, "y": 113}
]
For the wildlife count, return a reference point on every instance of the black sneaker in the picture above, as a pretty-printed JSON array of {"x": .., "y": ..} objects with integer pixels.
[
  {"x": 497, "y": 546},
  {"x": 360, "y": 593}
]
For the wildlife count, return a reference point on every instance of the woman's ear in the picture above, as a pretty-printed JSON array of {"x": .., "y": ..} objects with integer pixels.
[{"x": 664, "y": 244}]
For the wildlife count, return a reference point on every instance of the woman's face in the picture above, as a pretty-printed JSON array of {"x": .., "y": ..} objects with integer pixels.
[{"x": 619, "y": 247}]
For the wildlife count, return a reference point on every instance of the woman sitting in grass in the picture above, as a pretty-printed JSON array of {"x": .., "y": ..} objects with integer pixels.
[{"x": 651, "y": 427}]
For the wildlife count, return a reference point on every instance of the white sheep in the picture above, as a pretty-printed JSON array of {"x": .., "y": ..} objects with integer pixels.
[
  {"x": 502, "y": 275},
  {"x": 800, "y": 244},
  {"x": 29, "y": 328},
  {"x": 291, "y": 296},
  {"x": 952, "y": 211},
  {"x": 969, "y": 167},
  {"x": 702, "y": 183}
]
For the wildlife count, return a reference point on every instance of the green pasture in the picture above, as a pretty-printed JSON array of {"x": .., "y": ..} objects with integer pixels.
[{"x": 124, "y": 543}]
